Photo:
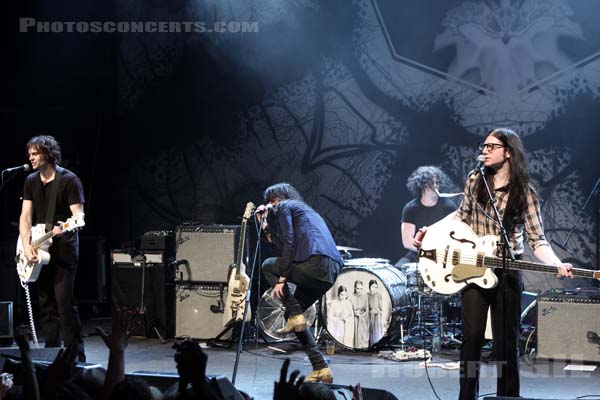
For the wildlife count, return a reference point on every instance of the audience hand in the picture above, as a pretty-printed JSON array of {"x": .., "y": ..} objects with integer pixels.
[
  {"x": 121, "y": 330},
  {"x": 6, "y": 382},
  {"x": 288, "y": 389},
  {"x": 356, "y": 392},
  {"x": 22, "y": 338},
  {"x": 191, "y": 363}
]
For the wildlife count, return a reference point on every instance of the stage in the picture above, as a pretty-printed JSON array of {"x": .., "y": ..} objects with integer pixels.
[{"x": 259, "y": 367}]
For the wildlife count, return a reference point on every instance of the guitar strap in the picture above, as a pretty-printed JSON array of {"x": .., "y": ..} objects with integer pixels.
[{"x": 52, "y": 195}]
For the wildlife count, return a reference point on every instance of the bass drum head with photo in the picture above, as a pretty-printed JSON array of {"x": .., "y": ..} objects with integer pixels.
[{"x": 364, "y": 305}]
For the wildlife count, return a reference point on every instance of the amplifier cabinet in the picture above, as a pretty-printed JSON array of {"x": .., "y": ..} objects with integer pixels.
[
  {"x": 140, "y": 279},
  {"x": 199, "y": 311},
  {"x": 569, "y": 327},
  {"x": 204, "y": 253}
]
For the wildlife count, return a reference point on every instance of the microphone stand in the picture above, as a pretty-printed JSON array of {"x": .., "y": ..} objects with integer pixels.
[
  {"x": 506, "y": 251},
  {"x": 592, "y": 194},
  {"x": 247, "y": 306}
]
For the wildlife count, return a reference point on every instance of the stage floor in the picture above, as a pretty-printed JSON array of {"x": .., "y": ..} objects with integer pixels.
[{"x": 259, "y": 367}]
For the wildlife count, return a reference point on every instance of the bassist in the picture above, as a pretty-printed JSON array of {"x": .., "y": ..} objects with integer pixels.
[
  {"x": 519, "y": 207},
  {"x": 56, "y": 280}
]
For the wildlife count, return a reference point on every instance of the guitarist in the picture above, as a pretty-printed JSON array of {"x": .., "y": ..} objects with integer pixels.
[
  {"x": 56, "y": 280},
  {"x": 309, "y": 259},
  {"x": 519, "y": 208}
]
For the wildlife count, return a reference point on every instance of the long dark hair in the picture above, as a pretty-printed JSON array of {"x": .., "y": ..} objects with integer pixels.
[
  {"x": 48, "y": 146},
  {"x": 283, "y": 190},
  {"x": 519, "y": 182}
]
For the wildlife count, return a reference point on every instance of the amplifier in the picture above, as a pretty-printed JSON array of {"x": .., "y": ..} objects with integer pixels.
[
  {"x": 136, "y": 258},
  {"x": 199, "y": 311},
  {"x": 569, "y": 326},
  {"x": 141, "y": 278},
  {"x": 6, "y": 323},
  {"x": 204, "y": 253}
]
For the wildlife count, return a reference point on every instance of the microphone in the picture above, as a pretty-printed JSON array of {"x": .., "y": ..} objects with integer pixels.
[
  {"x": 477, "y": 169},
  {"x": 24, "y": 167},
  {"x": 261, "y": 209}
]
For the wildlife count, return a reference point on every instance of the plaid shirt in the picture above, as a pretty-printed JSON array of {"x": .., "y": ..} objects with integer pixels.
[{"x": 474, "y": 214}]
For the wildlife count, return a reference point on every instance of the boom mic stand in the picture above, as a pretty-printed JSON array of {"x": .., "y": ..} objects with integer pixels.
[
  {"x": 247, "y": 306},
  {"x": 587, "y": 201}
]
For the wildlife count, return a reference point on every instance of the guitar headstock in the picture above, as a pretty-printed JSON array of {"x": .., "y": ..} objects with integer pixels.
[
  {"x": 73, "y": 223},
  {"x": 248, "y": 211}
]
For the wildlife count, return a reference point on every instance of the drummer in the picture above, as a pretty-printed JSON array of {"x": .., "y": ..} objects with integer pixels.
[{"x": 425, "y": 209}]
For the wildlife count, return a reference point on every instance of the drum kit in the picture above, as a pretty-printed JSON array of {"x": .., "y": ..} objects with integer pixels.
[{"x": 373, "y": 305}]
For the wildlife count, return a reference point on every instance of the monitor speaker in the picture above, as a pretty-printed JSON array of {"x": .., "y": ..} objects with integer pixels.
[
  {"x": 569, "y": 327},
  {"x": 204, "y": 253}
]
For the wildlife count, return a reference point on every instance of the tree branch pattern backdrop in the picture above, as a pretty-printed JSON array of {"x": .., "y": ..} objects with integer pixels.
[{"x": 345, "y": 98}]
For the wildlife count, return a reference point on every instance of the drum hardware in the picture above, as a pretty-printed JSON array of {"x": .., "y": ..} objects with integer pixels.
[
  {"x": 345, "y": 251},
  {"x": 271, "y": 317},
  {"x": 431, "y": 317}
]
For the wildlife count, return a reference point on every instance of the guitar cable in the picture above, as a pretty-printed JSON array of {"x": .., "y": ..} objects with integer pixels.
[{"x": 30, "y": 313}]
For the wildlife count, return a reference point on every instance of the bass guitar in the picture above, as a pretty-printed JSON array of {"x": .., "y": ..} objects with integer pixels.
[
  {"x": 239, "y": 281},
  {"x": 453, "y": 256},
  {"x": 41, "y": 242}
]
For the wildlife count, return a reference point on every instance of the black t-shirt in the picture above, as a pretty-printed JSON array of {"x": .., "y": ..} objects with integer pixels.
[
  {"x": 70, "y": 191},
  {"x": 416, "y": 213}
]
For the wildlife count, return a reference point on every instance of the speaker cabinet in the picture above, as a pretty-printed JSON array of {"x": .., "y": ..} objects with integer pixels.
[
  {"x": 569, "y": 326},
  {"x": 140, "y": 280},
  {"x": 199, "y": 311},
  {"x": 6, "y": 322},
  {"x": 204, "y": 253}
]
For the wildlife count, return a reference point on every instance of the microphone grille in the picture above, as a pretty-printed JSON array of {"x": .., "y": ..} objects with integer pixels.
[
  {"x": 480, "y": 158},
  {"x": 26, "y": 167}
]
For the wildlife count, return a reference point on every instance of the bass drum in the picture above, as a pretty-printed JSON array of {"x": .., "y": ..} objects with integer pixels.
[{"x": 365, "y": 305}]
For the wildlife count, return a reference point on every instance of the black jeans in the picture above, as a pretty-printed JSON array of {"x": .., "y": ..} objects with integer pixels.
[
  {"x": 57, "y": 304},
  {"x": 505, "y": 303},
  {"x": 313, "y": 278}
]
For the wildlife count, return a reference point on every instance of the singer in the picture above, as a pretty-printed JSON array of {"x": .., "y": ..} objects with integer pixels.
[
  {"x": 519, "y": 206},
  {"x": 55, "y": 283},
  {"x": 309, "y": 259},
  {"x": 425, "y": 209}
]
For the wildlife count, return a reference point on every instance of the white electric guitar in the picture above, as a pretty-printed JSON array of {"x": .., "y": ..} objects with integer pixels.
[
  {"x": 452, "y": 256},
  {"x": 239, "y": 281},
  {"x": 41, "y": 242}
]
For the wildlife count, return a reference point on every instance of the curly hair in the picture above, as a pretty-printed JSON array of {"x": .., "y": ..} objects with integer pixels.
[
  {"x": 519, "y": 180},
  {"x": 48, "y": 147},
  {"x": 424, "y": 177},
  {"x": 283, "y": 190}
]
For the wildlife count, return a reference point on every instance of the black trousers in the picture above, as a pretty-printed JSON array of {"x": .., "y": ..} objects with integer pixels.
[
  {"x": 505, "y": 303},
  {"x": 313, "y": 278},
  {"x": 58, "y": 305}
]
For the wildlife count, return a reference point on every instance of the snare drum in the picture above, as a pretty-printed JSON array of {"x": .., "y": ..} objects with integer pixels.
[{"x": 365, "y": 304}]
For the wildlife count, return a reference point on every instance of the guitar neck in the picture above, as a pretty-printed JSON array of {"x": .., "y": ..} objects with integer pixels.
[
  {"x": 496, "y": 262},
  {"x": 39, "y": 241},
  {"x": 238, "y": 262}
]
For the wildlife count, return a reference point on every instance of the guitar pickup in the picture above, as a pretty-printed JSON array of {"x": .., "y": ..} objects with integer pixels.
[{"x": 456, "y": 257}]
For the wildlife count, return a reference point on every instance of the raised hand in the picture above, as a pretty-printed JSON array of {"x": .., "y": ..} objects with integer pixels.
[
  {"x": 121, "y": 330},
  {"x": 288, "y": 389},
  {"x": 6, "y": 382}
]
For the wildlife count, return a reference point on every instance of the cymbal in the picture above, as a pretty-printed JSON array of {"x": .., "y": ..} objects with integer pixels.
[{"x": 346, "y": 248}]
